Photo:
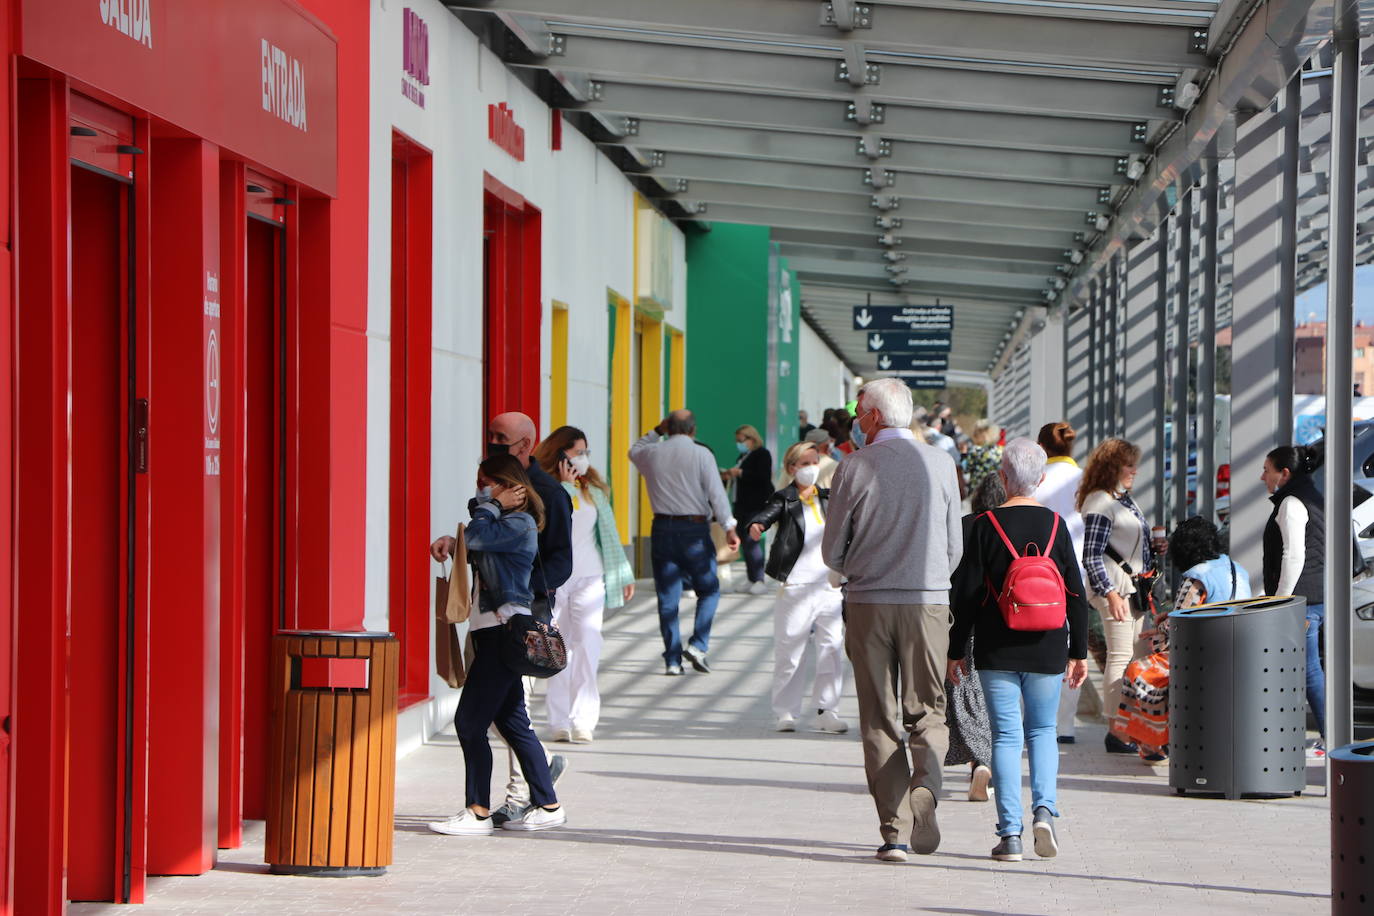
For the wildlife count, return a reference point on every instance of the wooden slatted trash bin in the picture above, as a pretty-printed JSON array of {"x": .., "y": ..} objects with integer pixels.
[{"x": 332, "y": 770}]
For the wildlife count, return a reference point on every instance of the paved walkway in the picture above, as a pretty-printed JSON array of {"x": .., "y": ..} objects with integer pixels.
[{"x": 688, "y": 802}]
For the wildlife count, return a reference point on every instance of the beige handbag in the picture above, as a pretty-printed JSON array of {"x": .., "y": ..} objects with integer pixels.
[
  {"x": 724, "y": 552},
  {"x": 458, "y": 607}
]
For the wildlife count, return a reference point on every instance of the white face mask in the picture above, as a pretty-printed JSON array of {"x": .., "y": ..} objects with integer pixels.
[
  {"x": 580, "y": 464},
  {"x": 484, "y": 492},
  {"x": 807, "y": 474}
]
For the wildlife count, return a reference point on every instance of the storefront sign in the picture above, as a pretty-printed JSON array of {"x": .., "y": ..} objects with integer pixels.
[
  {"x": 903, "y": 317},
  {"x": 504, "y": 132},
  {"x": 919, "y": 362},
  {"x": 129, "y": 17},
  {"x": 414, "y": 57},
  {"x": 238, "y": 75},
  {"x": 890, "y": 342},
  {"x": 213, "y": 379}
]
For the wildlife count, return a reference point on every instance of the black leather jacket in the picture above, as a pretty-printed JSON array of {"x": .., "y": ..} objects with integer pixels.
[{"x": 785, "y": 509}]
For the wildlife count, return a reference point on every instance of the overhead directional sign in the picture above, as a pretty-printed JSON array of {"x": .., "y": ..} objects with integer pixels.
[
  {"x": 907, "y": 342},
  {"x": 923, "y": 379},
  {"x": 903, "y": 318},
  {"x": 918, "y": 362}
]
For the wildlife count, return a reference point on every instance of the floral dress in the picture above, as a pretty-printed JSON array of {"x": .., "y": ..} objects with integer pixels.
[
  {"x": 1144, "y": 714},
  {"x": 982, "y": 460}
]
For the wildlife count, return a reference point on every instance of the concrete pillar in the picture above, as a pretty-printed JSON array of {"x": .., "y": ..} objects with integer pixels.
[
  {"x": 1182, "y": 310},
  {"x": 1144, "y": 415},
  {"x": 1077, "y": 370}
]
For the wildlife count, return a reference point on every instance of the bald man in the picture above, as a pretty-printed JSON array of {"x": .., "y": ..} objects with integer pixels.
[{"x": 515, "y": 434}]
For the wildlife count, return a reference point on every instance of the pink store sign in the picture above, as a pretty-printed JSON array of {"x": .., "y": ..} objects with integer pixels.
[{"x": 414, "y": 57}]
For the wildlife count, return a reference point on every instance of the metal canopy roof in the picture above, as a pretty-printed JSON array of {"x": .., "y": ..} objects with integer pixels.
[{"x": 974, "y": 151}]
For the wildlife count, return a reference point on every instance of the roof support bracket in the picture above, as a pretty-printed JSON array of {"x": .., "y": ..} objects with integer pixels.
[
  {"x": 880, "y": 178},
  {"x": 861, "y": 113},
  {"x": 847, "y": 15}
]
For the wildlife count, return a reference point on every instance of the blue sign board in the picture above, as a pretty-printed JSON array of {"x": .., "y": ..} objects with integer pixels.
[
  {"x": 919, "y": 362},
  {"x": 908, "y": 342},
  {"x": 904, "y": 318}
]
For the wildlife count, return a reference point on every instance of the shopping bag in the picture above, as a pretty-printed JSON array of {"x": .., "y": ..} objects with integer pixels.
[
  {"x": 458, "y": 604},
  {"x": 448, "y": 651},
  {"x": 724, "y": 552}
]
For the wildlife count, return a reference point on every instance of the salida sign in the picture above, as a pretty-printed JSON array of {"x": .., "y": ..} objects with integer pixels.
[
  {"x": 414, "y": 57},
  {"x": 504, "y": 132},
  {"x": 129, "y": 17}
]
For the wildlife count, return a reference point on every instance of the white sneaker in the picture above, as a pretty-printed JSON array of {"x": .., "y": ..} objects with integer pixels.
[
  {"x": 581, "y": 736},
  {"x": 562, "y": 735},
  {"x": 978, "y": 784},
  {"x": 758, "y": 588},
  {"x": 741, "y": 586},
  {"x": 464, "y": 823},
  {"x": 536, "y": 818},
  {"x": 829, "y": 722},
  {"x": 786, "y": 723}
]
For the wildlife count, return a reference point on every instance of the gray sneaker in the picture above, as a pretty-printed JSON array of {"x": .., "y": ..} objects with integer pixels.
[
  {"x": 557, "y": 764},
  {"x": 925, "y": 830},
  {"x": 698, "y": 659},
  {"x": 1046, "y": 845},
  {"x": 510, "y": 811},
  {"x": 1008, "y": 850}
]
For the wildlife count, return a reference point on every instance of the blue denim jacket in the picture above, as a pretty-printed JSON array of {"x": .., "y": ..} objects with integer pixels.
[{"x": 501, "y": 547}]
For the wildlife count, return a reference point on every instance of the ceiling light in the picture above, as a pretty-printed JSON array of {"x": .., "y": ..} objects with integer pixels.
[
  {"x": 1102, "y": 222},
  {"x": 1135, "y": 169},
  {"x": 1077, "y": 256},
  {"x": 1186, "y": 95}
]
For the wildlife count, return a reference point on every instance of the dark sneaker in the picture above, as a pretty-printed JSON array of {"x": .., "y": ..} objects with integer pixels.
[
  {"x": 925, "y": 829},
  {"x": 1008, "y": 850},
  {"x": 698, "y": 659},
  {"x": 510, "y": 811},
  {"x": 1046, "y": 845},
  {"x": 891, "y": 852},
  {"x": 557, "y": 764},
  {"x": 1115, "y": 745},
  {"x": 673, "y": 670},
  {"x": 1067, "y": 739}
]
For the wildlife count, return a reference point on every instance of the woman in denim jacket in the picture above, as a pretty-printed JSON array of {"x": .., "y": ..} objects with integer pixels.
[
  {"x": 601, "y": 579},
  {"x": 502, "y": 542}
]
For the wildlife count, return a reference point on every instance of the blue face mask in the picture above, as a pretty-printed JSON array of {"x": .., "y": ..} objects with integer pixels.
[
  {"x": 856, "y": 434},
  {"x": 742, "y": 446}
]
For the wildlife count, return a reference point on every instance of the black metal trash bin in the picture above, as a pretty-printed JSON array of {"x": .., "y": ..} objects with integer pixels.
[
  {"x": 1237, "y": 698},
  {"x": 1352, "y": 829}
]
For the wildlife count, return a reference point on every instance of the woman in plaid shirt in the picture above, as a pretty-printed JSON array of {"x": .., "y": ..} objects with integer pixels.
[{"x": 601, "y": 578}]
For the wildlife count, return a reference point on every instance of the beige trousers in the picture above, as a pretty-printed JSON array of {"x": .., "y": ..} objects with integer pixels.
[
  {"x": 898, "y": 652},
  {"x": 1123, "y": 647}
]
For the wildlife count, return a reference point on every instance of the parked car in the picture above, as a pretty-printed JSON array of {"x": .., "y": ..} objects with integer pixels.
[{"x": 1362, "y": 634}]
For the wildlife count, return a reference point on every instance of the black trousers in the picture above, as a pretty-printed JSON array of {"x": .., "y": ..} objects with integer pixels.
[{"x": 494, "y": 694}]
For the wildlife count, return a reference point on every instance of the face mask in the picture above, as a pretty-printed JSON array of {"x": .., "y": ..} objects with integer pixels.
[
  {"x": 856, "y": 435},
  {"x": 497, "y": 448},
  {"x": 806, "y": 475},
  {"x": 580, "y": 464},
  {"x": 484, "y": 492},
  {"x": 742, "y": 446}
]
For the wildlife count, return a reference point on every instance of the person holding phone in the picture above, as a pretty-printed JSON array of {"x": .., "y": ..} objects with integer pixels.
[{"x": 601, "y": 578}]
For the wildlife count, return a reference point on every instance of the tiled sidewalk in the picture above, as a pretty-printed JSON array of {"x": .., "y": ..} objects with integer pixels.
[{"x": 688, "y": 802}]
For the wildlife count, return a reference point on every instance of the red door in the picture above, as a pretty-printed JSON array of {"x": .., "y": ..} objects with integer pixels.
[
  {"x": 101, "y": 574},
  {"x": 511, "y": 283}
]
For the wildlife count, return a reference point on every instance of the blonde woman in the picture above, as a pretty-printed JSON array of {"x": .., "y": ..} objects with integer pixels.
[
  {"x": 807, "y": 602},
  {"x": 601, "y": 578},
  {"x": 752, "y": 478},
  {"x": 985, "y": 455}
]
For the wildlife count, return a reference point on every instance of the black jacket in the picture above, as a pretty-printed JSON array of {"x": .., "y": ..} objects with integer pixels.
[
  {"x": 1312, "y": 580},
  {"x": 755, "y": 484},
  {"x": 784, "y": 508},
  {"x": 996, "y": 646},
  {"x": 553, "y": 566}
]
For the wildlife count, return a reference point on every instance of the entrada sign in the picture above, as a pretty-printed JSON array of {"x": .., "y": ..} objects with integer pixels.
[
  {"x": 283, "y": 86},
  {"x": 903, "y": 317},
  {"x": 414, "y": 57},
  {"x": 504, "y": 132},
  {"x": 918, "y": 362},
  {"x": 879, "y": 342}
]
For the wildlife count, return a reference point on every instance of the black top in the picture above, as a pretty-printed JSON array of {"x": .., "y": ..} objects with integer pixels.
[
  {"x": 554, "y": 563},
  {"x": 973, "y": 599},
  {"x": 785, "y": 509},
  {"x": 755, "y": 484}
]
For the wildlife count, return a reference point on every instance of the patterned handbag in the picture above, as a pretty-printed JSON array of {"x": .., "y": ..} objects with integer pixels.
[{"x": 532, "y": 648}]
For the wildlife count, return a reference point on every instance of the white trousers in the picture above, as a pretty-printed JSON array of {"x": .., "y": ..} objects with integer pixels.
[
  {"x": 517, "y": 789},
  {"x": 798, "y": 611},
  {"x": 571, "y": 696}
]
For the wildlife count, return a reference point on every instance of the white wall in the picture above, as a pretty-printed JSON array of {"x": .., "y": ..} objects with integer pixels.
[
  {"x": 586, "y": 207},
  {"x": 820, "y": 376}
]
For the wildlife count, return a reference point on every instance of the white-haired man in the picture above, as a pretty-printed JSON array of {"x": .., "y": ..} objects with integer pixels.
[{"x": 893, "y": 532}]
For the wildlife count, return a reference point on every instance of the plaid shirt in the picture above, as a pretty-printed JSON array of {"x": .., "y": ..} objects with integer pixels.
[
  {"x": 1097, "y": 531},
  {"x": 615, "y": 566}
]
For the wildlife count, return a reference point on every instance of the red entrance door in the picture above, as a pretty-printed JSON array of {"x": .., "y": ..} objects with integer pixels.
[
  {"x": 513, "y": 311},
  {"x": 101, "y": 567}
]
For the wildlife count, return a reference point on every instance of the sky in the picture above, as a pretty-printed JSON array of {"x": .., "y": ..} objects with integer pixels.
[{"x": 1314, "y": 300}]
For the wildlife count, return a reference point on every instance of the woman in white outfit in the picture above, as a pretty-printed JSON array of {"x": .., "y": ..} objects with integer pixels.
[
  {"x": 807, "y": 601},
  {"x": 1058, "y": 491},
  {"x": 601, "y": 578}
]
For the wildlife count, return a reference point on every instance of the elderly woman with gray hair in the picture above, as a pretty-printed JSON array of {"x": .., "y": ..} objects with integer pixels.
[{"x": 1018, "y": 665}]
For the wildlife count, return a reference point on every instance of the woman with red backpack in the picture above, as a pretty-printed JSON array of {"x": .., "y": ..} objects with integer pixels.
[{"x": 1019, "y": 591}]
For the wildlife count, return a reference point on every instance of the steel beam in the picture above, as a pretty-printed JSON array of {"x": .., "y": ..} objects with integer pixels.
[
  {"x": 952, "y": 270},
  {"x": 685, "y": 104},
  {"x": 827, "y": 235},
  {"x": 743, "y": 68},
  {"x": 804, "y": 228},
  {"x": 1017, "y": 33}
]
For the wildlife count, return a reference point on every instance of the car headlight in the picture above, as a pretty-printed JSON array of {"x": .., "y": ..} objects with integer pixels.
[{"x": 1366, "y": 612}]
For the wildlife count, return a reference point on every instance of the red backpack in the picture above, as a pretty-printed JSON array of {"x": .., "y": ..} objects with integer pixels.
[{"x": 1033, "y": 596}]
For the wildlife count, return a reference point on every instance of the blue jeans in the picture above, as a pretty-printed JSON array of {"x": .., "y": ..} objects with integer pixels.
[
  {"x": 1316, "y": 675},
  {"x": 683, "y": 550},
  {"x": 1004, "y": 692}
]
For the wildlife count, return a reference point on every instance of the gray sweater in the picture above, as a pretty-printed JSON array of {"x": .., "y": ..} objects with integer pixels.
[{"x": 893, "y": 525}]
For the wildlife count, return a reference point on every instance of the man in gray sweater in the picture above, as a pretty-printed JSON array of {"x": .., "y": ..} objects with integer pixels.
[{"x": 892, "y": 530}]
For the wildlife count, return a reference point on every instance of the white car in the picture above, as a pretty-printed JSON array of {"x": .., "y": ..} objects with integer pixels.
[{"x": 1362, "y": 634}]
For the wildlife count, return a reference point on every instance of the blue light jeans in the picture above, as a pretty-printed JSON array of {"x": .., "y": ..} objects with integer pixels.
[
  {"x": 683, "y": 550},
  {"x": 1005, "y": 691},
  {"x": 1316, "y": 675}
]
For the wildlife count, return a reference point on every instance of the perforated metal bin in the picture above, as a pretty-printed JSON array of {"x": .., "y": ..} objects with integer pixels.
[
  {"x": 1352, "y": 829},
  {"x": 1237, "y": 705}
]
